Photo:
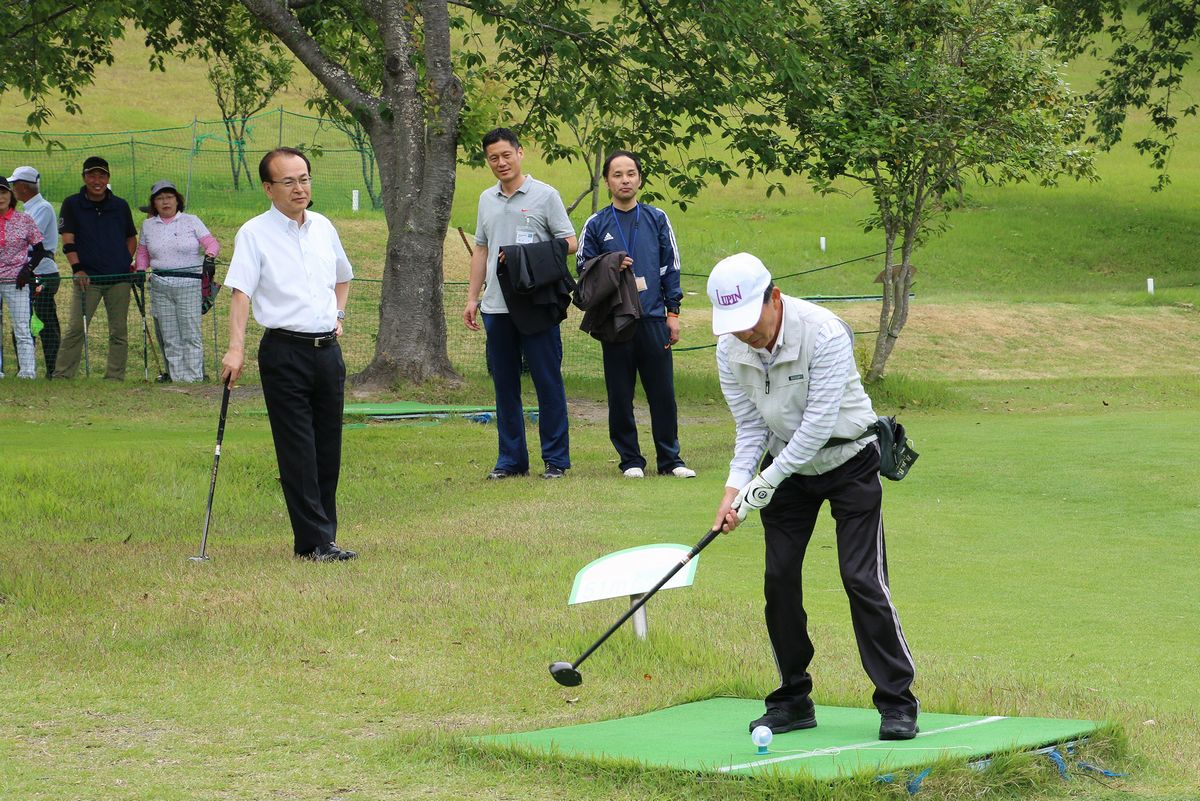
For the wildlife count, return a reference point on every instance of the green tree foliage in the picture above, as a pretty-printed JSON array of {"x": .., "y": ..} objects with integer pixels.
[
  {"x": 906, "y": 97},
  {"x": 1152, "y": 43},
  {"x": 245, "y": 77},
  {"x": 909, "y": 99}
]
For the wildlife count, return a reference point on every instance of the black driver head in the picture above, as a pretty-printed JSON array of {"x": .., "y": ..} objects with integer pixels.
[{"x": 566, "y": 674}]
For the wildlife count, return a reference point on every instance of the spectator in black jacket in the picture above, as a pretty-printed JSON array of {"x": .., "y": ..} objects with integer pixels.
[{"x": 99, "y": 240}]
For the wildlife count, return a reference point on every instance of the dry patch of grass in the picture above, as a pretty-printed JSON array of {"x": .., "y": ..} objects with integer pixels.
[{"x": 1026, "y": 341}]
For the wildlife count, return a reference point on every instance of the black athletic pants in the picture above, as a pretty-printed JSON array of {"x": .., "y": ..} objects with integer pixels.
[
  {"x": 303, "y": 387},
  {"x": 46, "y": 309},
  {"x": 646, "y": 355},
  {"x": 855, "y": 498}
]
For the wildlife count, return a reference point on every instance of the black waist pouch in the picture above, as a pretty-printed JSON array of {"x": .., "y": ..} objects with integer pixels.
[{"x": 896, "y": 454}]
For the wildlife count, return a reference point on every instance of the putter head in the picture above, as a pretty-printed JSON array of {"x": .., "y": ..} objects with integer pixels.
[
  {"x": 198, "y": 559},
  {"x": 566, "y": 674}
]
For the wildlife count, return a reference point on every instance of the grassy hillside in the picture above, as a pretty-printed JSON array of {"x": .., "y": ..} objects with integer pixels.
[{"x": 1019, "y": 242}]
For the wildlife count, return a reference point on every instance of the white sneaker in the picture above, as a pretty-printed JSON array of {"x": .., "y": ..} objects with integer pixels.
[
  {"x": 634, "y": 472},
  {"x": 683, "y": 472}
]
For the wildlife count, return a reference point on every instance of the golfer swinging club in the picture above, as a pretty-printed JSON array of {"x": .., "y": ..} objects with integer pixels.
[{"x": 788, "y": 374}]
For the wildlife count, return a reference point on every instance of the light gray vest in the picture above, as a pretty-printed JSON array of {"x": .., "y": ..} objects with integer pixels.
[{"x": 781, "y": 394}]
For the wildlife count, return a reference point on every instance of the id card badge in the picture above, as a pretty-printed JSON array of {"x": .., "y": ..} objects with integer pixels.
[
  {"x": 526, "y": 235},
  {"x": 640, "y": 282}
]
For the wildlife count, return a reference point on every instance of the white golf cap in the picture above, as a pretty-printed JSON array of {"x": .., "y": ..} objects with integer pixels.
[
  {"x": 28, "y": 174},
  {"x": 735, "y": 289}
]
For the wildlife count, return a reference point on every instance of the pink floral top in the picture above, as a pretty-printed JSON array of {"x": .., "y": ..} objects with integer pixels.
[{"x": 18, "y": 233}]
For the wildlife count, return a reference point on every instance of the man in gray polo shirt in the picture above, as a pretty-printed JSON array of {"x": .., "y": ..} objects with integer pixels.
[{"x": 519, "y": 210}]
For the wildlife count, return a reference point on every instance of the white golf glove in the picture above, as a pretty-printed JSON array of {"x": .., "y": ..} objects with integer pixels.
[{"x": 758, "y": 492}]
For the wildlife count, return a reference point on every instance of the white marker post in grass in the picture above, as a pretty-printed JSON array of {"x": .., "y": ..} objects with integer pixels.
[
  {"x": 822, "y": 244},
  {"x": 353, "y": 200},
  {"x": 1150, "y": 286},
  {"x": 633, "y": 572}
]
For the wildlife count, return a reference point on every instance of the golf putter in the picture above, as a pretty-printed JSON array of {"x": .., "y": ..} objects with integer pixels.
[
  {"x": 212, "y": 481},
  {"x": 567, "y": 673}
]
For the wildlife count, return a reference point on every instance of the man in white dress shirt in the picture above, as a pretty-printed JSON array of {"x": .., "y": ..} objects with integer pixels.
[
  {"x": 788, "y": 374},
  {"x": 289, "y": 267}
]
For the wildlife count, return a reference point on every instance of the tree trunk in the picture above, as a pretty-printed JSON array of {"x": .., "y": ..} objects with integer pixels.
[
  {"x": 416, "y": 145},
  {"x": 893, "y": 312},
  {"x": 412, "y": 323}
]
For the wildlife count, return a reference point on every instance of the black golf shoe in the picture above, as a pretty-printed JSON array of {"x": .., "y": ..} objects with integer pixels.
[
  {"x": 897, "y": 725},
  {"x": 785, "y": 718},
  {"x": 553, "y": 471},
  {"x": 328, "y": 553},
  {"x": 499, "y": 474}
]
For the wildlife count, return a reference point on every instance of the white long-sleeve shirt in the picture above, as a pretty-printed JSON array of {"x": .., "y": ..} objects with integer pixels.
[{"x": 832, "y": 394}]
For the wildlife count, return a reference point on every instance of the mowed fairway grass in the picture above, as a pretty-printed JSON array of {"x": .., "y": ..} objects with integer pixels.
[
  {"x": 1043, "y": 552},
  {"x": 1044, "y": 564}
]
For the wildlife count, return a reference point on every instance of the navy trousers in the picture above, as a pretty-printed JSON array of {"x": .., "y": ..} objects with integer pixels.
[
  {"x": 304, "y": 388},
  {"x": 855, "y": 499},
  {"x": 647, "y": 356},
  {"x": 543, "y": 353}
]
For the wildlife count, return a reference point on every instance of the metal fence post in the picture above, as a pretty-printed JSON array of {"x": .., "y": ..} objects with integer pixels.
[
  {"x": 187, "y": 192},
  {"x": 133, "y": 193}
]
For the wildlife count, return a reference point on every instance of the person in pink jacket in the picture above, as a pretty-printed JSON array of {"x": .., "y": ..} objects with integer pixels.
[
  {"x": 19, "y": 234},
  {"x": 173, "y": 246}
]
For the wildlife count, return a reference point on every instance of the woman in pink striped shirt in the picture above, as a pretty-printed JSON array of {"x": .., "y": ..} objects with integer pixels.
[
  {"x": 18, "y": 234},
  {"x": 173, "y": 245}
]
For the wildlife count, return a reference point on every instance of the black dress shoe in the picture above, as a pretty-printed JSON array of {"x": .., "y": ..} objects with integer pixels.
[
  {"x": 780, "y": 719},
  {"x": 897, "y": 725},
  {"x": 328, "y": 553},
  {"x": 499, "y": 474}
]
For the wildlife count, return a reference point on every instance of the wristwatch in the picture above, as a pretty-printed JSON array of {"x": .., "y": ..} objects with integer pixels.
[
  {"x": 673, "y": 311},
  {"x": 341, "y": 314}
]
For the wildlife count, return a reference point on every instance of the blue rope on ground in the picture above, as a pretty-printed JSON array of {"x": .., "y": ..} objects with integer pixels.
[
  {"x": 1110, "y": 774},
  {"x": 914, "y": 786},
  {"x": 1060, "y": 763}
]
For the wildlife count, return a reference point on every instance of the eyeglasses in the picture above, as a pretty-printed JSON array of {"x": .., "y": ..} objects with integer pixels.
[{"x": 289, "y": 183}]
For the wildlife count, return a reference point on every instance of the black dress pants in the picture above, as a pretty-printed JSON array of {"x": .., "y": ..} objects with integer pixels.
[
  {"x": 303, "y": 387},
  {"x": 855, "y": 498},
  {"x": 648, "y": 356}
]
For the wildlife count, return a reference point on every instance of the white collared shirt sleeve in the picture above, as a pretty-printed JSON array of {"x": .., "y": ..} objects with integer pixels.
[
  {"x": 290, "y": 271},
  {"x": 828, "y": 371},
  {"x": 751, "y": 432},
  {"x": 341, "y": 269},
  {"x": 246, "y": 265}
]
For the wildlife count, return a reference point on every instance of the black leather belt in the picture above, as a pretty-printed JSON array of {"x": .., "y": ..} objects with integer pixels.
[{"x": 322, "y": 340}]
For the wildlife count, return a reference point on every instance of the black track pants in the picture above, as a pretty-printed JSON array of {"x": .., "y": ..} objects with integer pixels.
[{"x": 855, "y": 498}]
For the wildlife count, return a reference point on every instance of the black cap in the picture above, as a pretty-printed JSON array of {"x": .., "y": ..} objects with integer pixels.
[
  {"x": 4, "y": 184},
  {"x": 94, "y": 163}
]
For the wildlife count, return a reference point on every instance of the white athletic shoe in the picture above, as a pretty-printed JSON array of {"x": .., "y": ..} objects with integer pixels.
[
  {"x": 683, "y": 472},
  {"x": 634, "y": 472}
]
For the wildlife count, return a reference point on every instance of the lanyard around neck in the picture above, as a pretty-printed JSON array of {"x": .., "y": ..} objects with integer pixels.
[{"x": 637, "y": 216}]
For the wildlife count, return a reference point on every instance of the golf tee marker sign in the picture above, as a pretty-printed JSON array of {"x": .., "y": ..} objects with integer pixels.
[{"x": 633, "y": 572}]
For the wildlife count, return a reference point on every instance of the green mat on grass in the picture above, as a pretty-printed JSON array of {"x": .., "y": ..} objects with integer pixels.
[
  {"x": 411, "y": 409},
  {"x": 712, "y": 736}
]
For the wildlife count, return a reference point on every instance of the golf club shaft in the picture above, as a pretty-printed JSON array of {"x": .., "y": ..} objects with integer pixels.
[
  {"x": 147, "y": 340},
  {"x": 87, "y": 344},
  {"x": 212, "y": 481},
  {"x": 700, "y": 546}
]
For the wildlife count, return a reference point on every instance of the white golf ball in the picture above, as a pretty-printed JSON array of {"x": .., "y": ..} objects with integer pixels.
[{"x": 761, "y": 736}]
